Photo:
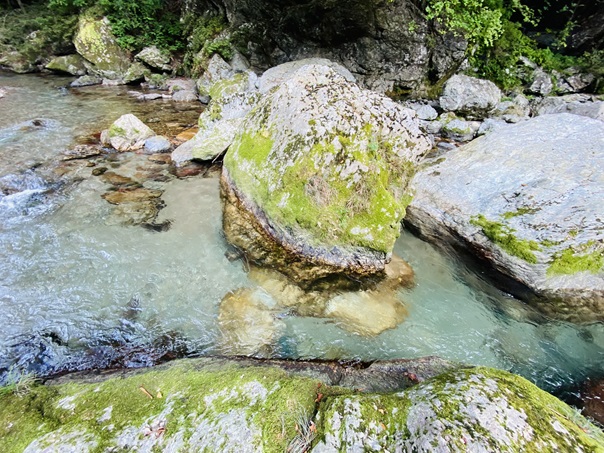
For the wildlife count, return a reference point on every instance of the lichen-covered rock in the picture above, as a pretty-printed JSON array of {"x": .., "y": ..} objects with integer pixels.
[
  {"x": 478, "y": 409},
  {"x": 128, "y": 133},
  {"x": 71, "y": 64},
  {"x": 95, "y": 42},
  {"x": 526, "y": 199},
  {"x": 315, "y": 184},
  {"x": 470, "y": 96},
  {"x": 154, "y": 58},
  {"x": 86, "y": 80},
  {"x": 231, "y": 100}
]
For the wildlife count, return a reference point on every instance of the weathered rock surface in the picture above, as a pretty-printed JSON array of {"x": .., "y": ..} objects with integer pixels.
[
  {"x": 577, "y": 104},
  {"x": 315, "y": 184},
  {"x": 157, "y": 144},
  {"x": 527, "y": 200},
  {"x": 86, "y": 80},
  {"x": 128, "y": 133},
  {"x": 71, "y": 64},
  {"x": 95, "y": 42},
  {"x": 470, "y": 96},
  {"x": 154, "y": 58},
  {"x": 256, "y": 406}
]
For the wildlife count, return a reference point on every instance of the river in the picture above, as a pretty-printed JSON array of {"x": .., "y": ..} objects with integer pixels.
[{"x": 84, "y": 285}]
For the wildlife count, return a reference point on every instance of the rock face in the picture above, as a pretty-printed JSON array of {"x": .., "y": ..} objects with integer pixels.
[
  {"x": 384, "y": 44},
  {"x": 469, "y": 96},
  {"x": 526, "y": 199},
  {"x": 95, "y": 42},
  {"x": 315, "y": 184},
  {"x": 128, "y": 133},
  {"x": 274, "y": 406}
]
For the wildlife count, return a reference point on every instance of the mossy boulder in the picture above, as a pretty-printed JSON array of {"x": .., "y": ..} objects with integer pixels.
[
  {"x": 526, "y": 200},
  {"x": 315, "y": 183},
  {"x": 71, "y": 64},
  {"x": 477, "y": 409},
  {"x": 96, "y": 43},
  {"x": 213, "y": 404}
]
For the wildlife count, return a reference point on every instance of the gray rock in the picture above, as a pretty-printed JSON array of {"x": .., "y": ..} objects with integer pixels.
[
  {"x": 542, "y": 83},
  {"x": 490, "y": 125},
  {"x": 469, "y": 96},
  {"x": 279, "y": 74},
  {"x": 2, "y": 92},
  {"x": 335, "y": 139},
  {"x": 513, "y": 111},
  {"x": 86, "y": 80},
  {"x": 184, "y": 96},
  {"x": 136, "y": 72},
  {"x": 424, "y": 111},
  {"x": 217, "y": 70},
  {"x": 432, "y": 127},
  {"x": 71, "y": 64},
  {"x": 180, "y": 84},
  {"x": 154, "y": 58},
  {"x": 157, "y": 144},
  {"x": 458, "y": 130},
  {"x": 128, "y": 133},
  {"x": 519, "y": 200},
  {"x": 577, "y": 104},
  {"x": 239, "y": 62}
]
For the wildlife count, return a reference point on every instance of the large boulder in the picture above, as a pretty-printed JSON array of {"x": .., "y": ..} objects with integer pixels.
[
  {"x": 315, "y": 184},
  {"x": 213, "y": 404},
  {"x": 527, "y": 200},
  {"x": 469, "y": 96},
  {"x": 128, "y": 133},
  {"x": 71, "y": 64},
  {"x": 96, "y": 43},
  {"x": 154, "y": 58}
]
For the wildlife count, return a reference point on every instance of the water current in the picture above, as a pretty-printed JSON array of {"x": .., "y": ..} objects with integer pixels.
[{"x": 80, "y": 287}]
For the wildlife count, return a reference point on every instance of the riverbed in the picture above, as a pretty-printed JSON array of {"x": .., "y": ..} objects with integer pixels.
[{"x": 84, "y": 284}]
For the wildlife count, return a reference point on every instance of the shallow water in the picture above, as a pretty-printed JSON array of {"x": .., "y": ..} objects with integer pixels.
[{"x": 79, "y": 288}]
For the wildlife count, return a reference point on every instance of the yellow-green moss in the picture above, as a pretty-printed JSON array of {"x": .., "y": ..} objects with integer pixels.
[
  {"x": 23, "y": 419},
  {"x": 571, "y": 261},
  {"x": 523, "y": 210},
  {"x": 116, "y": 131},
  {"x": 235, "y": 84},
  {"x": 503, "y": 236}
]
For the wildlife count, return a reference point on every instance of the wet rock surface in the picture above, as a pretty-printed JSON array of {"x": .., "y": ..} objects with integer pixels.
[{"x": 519, "y": 201}]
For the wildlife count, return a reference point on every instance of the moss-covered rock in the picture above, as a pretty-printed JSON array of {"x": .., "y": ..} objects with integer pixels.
[
  {"x": 71, "y": 64},
  {"x": 95, "y": 42},
  {"x": 323, "y": 168},
  {"x": 476, "y": 409},
  {"x": 273, "y": 406}
]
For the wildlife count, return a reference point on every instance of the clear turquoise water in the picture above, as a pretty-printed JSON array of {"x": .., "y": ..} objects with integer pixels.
[{"x": 78, "y": 288}]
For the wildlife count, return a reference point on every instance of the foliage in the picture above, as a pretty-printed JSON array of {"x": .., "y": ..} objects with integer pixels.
[{"x": 203, "y": 40}]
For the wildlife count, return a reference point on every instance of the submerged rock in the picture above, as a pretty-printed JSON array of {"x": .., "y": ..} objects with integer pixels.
[
  {"x": 214, "y": 404},
  {"x": 530, "y": 209},
  {"x": 128, "y": 133},
  {"x": 157, "y": 144},
  {"x": 315, "y": 184}
]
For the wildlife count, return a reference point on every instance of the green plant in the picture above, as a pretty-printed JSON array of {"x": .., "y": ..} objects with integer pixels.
[{"x": 17, "y": 383}]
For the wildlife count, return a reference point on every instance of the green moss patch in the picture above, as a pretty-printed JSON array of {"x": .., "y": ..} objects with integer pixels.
[
  {"x": 573, "y": 260},
  {"x": 166, "y": 406},
  {"x": 503, "y": 236}
]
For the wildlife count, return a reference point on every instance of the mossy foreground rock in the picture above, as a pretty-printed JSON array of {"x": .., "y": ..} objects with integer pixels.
[
  {"x": 216, "y": 405},
  {"x": 527, "y": 200},
  {"x": 316, "y": 182}
]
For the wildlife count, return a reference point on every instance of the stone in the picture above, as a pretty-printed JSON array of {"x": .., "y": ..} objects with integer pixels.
[
  {"x": 217, "y": 70},
  {"x": 478, "y": 409},
  {"x": 96, "y": 43},
  {"x": 184, "y": 96},
  {"x": 315, "y": 184},
  {"x": 17, "y": 62},
  {"x": 157, "y": 144},
  {"x": 513, "y": 111},
  {"x": 279, "y": 74},
  {"x": 86, "y": 80},
  {"x": 366, "y": 313},
  {"x": 490, "y": 125},
  {"x": 542, "y": 83},
  {"x": 2, "y": 92},
  {"x": 534, "y": 214},
  {"x": 248, "y": 323},
  {"x": 469, "y": 96},
  {"x": 136, "y": 72},
  {"x": 128, "y": 133},
  {"x": 577, "y": 104},
  {"x": 424, "y": 111},
  {"x": 71, "y": 64},
  {"x": 154, "y": 58},
  {"x": 180, "y": 84},
  {"x": 81, "y": 152},
  {"x": 130, "y": 195},
  {"x": 458, "y": 130}
]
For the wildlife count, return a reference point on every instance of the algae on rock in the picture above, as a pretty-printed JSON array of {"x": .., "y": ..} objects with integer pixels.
[{"x": 323, "y": 168}]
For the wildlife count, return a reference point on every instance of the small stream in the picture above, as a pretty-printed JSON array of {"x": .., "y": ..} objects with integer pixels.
[{"x": 82, "y": 285}]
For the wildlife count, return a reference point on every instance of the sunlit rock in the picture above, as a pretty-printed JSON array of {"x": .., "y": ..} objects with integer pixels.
[
  {"x": 128, "y": 133},
  {"x": 315, "y": 183}
]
